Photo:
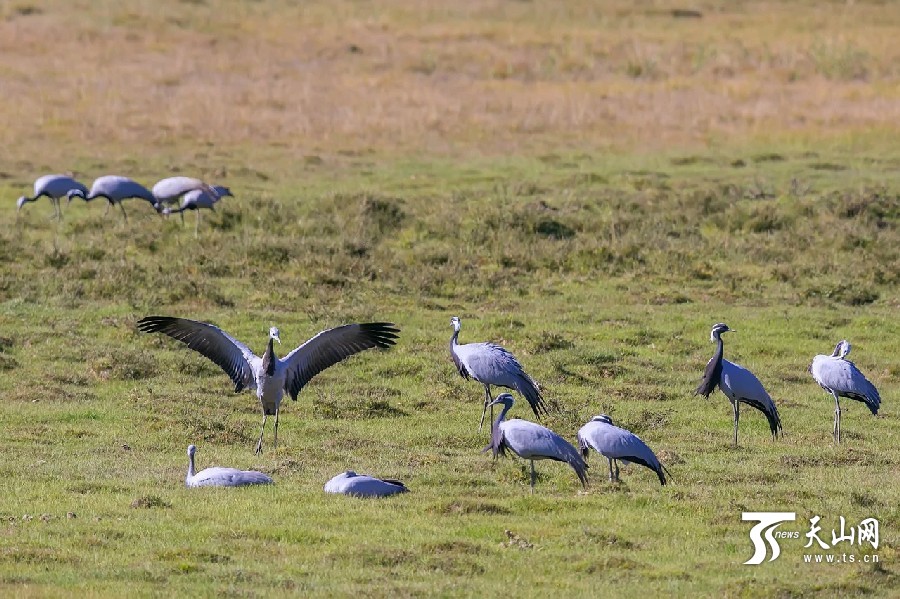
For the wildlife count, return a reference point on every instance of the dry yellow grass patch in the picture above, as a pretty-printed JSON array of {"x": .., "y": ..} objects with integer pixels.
[{"x": 94, "y": 78}]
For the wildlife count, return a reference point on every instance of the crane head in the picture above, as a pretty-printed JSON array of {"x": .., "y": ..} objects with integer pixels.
[
  {"x": 454, "y": 321},
  {"x": 192, "y": 449},
  {"x": 274, "y": 334},
  {"x": 74, "y": 193},
  {"x": 21, "y": 202},
  {"x": 602, "y": 418},
  {"x": 222, "y": 191},
  {"x": 504, "y": 399},
  {"x": 717, "y": 331},
  {"x": 844, "y": 347}
]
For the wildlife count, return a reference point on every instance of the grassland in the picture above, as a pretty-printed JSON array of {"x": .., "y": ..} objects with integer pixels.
[{"x": 591, "y": 184}]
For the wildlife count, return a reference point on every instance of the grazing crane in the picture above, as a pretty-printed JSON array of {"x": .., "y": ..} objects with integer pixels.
[
  {"x": 222, "y": 477},
  {"x": 361, "y": 485},
  {"x": 168, "y": 190},
  {"x": 115, "y": 189},
  {"x": 532, "y": 441},
  {"x": 738, "y": 384},
  {"x": 840, "y": 377},
  {"x": 269, "y": 375},
  {"x": 617, "y": 445},
  {"x": 53, "y": 187},
  {"x": 197, "y": 199},
  {"x": 490, "y": 364}
]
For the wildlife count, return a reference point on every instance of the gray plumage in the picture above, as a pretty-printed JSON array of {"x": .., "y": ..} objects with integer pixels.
[
  {"x": 54, "y": 187},
  {"x": 169, "y": 190},
  {"x": 114, "y": 189},
  {"x": 362, "y": 485},
  {"x": 738, "y": 384},
  {"x": 222, "y": 477},
  {"x": 492, "y": 365},
  {"x": 269, "y": 375},
  {"x": 841, "y": 378},
  {"x": 532, "y": 442},
  {"x": 199, "y": 199},
  {"x": 617, "y": 445}
]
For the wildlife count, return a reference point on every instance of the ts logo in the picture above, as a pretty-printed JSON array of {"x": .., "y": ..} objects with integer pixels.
[{"x": 768, "y": 522}]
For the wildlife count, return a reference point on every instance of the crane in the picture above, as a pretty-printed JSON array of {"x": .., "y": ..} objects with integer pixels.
[{"x": 269, "y": 375}]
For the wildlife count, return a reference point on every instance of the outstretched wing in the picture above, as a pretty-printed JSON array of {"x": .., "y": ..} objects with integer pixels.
[
  {"x": 330, "y": 347},
  {"x": 231, "y": 355}
]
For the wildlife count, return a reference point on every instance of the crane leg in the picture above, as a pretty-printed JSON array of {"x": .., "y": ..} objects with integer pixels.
[
  {"x": 181, "y": 214},
  {"x": 125, "y": 216},
  {"x": 106, "y": 212},
  {"x": 611, "y": 475},
  {"x": 836, "y": 433},
  {"x": 197, "y": 225},
  {"x": 737, "y": 416},
  {"x": 262, "y": 430},
  {"x": 616, "y": 462},
  {"x": 275, "y": 443},
  {"x": 487, "y": 400},
  {"x": 56, "y": 207},
  {"x": 532, "y": 476}
]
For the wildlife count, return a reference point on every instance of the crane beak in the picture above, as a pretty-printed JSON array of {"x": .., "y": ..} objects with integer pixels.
[{"x": 278, "y": 339}]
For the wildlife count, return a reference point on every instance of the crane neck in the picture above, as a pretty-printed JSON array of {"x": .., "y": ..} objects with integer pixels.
[
  {"x": 502, "y": 416},
  {"x": 269, "y": 359},
  {"x": 720, "y": 348},
  {"x": 454, "y": 340},
  {"x": 190, "y": 473}
]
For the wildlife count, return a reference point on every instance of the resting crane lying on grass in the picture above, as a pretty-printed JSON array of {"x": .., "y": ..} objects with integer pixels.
[
  {"x": 738, "y": 384},
  {"x": 617, "y": 445},
  {"x": 532, "y": 442},
  {"x": 362, "y": 485},
  {"x": 492, "y": 365},
  {"x": 222, "y": 477},
  {"x": 840, "y": 377},
  {"x": 269, "y": 375}
]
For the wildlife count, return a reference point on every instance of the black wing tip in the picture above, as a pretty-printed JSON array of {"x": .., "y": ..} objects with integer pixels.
[
  {"x": 582, "y": 474},
  {"x": 152, "y": 324},
  {"x": 383, "y": 334}
]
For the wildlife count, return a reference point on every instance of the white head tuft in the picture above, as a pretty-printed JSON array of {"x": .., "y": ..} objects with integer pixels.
[
  {"x": 192, "y": 449},
  {"x": 455, "y": 322},
  {"x": 717, "y": 330},
  {"x": 843, "y": 348}
]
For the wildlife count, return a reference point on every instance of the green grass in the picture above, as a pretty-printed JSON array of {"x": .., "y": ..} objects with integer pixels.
[{"x": 602, "y": 274}]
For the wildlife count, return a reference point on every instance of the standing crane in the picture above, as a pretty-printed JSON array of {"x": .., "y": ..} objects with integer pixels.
[
  {"x": 532, "y": 442},
  {"x": 269, "y": 375},
  {"x": 492, "y": 365},
  {"x": 738, "y": 384},
  {"x": 54, "y": 187},
  {"x": 167, "y": 191},
  {"x": 198, "y": 199},
  {"x": 840, "y": 377},
  {"x": 115, "y": 189},
  {"x": 617, "y": 445}
]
